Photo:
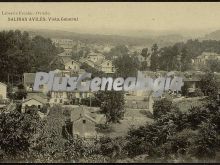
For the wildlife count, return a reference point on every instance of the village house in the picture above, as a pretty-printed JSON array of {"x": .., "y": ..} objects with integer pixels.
[
  {"x": 107, "y": 66},
  {"x": 65, "y": 97},
  {"x": 3, "y": 91},
  {"x": 58, "y": 97},
  {"x": 95, "y": 57},
  {"x": 71, "y": 64},
  {"x": 36, "y": 101},
  {"x": 84, "y": 122},
  {"x": 99, "y": 62}
]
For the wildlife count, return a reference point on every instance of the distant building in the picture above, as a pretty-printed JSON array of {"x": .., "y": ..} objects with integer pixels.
[
  {"x": 204, "y": 57},
  {"x": 64, "y": 43},
  {"x": 3, "y": 91},
  {"x": 95, "y": 57}
]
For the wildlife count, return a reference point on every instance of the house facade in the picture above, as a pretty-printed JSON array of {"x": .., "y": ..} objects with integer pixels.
[
  {"x": 107, "y": 66},
  {"x": 33, "y": 101},
  {"x": 95, "y": 57},
  {"x": 71, "y": 64}
]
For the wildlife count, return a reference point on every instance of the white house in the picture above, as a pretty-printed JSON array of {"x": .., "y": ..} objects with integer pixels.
[
  {"x": 95, "y": 57},
  {"x": 58, "y": 97},
  {"x": 33, "y": 101},
  {"x": 107, "y": 66},
  {"x": 3, "y": 91}
]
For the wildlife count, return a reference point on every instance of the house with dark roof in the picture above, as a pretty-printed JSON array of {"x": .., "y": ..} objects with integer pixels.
[{"x": 84, "y": 122}]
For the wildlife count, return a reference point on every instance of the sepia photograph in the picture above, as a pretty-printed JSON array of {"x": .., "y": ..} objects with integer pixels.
[{"x": 109, "y": 82}]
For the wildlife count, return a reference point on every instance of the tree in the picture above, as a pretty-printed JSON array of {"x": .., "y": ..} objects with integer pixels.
[
  {"x": 205, "y": 143},
  {"x": 112, "y": 105},
  {"x": 48, "y": 144},
  {"x": 21, "y": 93},
  {"x": 117, "y": 51},
  {"x": 44, "y": 51},
  {"x": 154, "y": 58},
  {"x": 209, "y": 85},
  {"x": 126, "y": 66},
  {"x": 16, "y": 133},
  {"x": 145, "y": 53},
  {"x": 213, "y": 65},
  {"x": 162, "y": 107}
]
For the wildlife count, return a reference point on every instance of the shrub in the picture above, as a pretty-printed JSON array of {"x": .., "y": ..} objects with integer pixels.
[{"x": 161, "y": 107}]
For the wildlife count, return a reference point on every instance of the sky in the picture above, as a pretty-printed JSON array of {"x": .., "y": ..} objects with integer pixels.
[{"x": 109, "y": 17}]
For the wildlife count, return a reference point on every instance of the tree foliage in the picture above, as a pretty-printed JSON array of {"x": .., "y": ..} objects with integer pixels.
[{"x": 112, "y": 105}]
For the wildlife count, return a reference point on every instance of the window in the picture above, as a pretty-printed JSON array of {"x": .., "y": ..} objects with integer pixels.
[
  {"x": 38, "y": 106},
  {"x": 84, "y": 121},
  {"x": 61, "y": 100},
  {"x": 72, "y": 62}
]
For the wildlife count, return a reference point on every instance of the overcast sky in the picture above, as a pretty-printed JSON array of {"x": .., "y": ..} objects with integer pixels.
[{"x": 110, "y": 17}]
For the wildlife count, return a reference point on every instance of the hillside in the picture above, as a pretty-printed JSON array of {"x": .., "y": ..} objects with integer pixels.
[
  {"x": 213, "y": 35},
  {"x": 164, "y": 40}
]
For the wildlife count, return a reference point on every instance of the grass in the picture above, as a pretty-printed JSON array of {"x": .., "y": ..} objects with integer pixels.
[{"x": 186, "y": 103}]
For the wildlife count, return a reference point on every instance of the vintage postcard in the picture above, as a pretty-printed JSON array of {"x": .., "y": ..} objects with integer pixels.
[{"x": 95, "y": 82}]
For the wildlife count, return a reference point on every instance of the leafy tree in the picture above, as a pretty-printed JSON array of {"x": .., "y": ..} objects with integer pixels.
[
  {"x": 126, "y": 66},
  {"x": 161, "y": 107},
  {"x": 209, "y": 85},
  {"x": 117, "y": 51},
  {"x": 44, "y": 52},
  {"x": 154, "y": 58},
  {"x": 48, "y": 144},
  {"x": 16, "y": 133},
  {"x": 213, "y": 65},
  {"x": 112, "y": 105},
  {"x": 21, "y": 93},
  {"x": 205, "y": 144},
  {"x": 145, "y": 53}
]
